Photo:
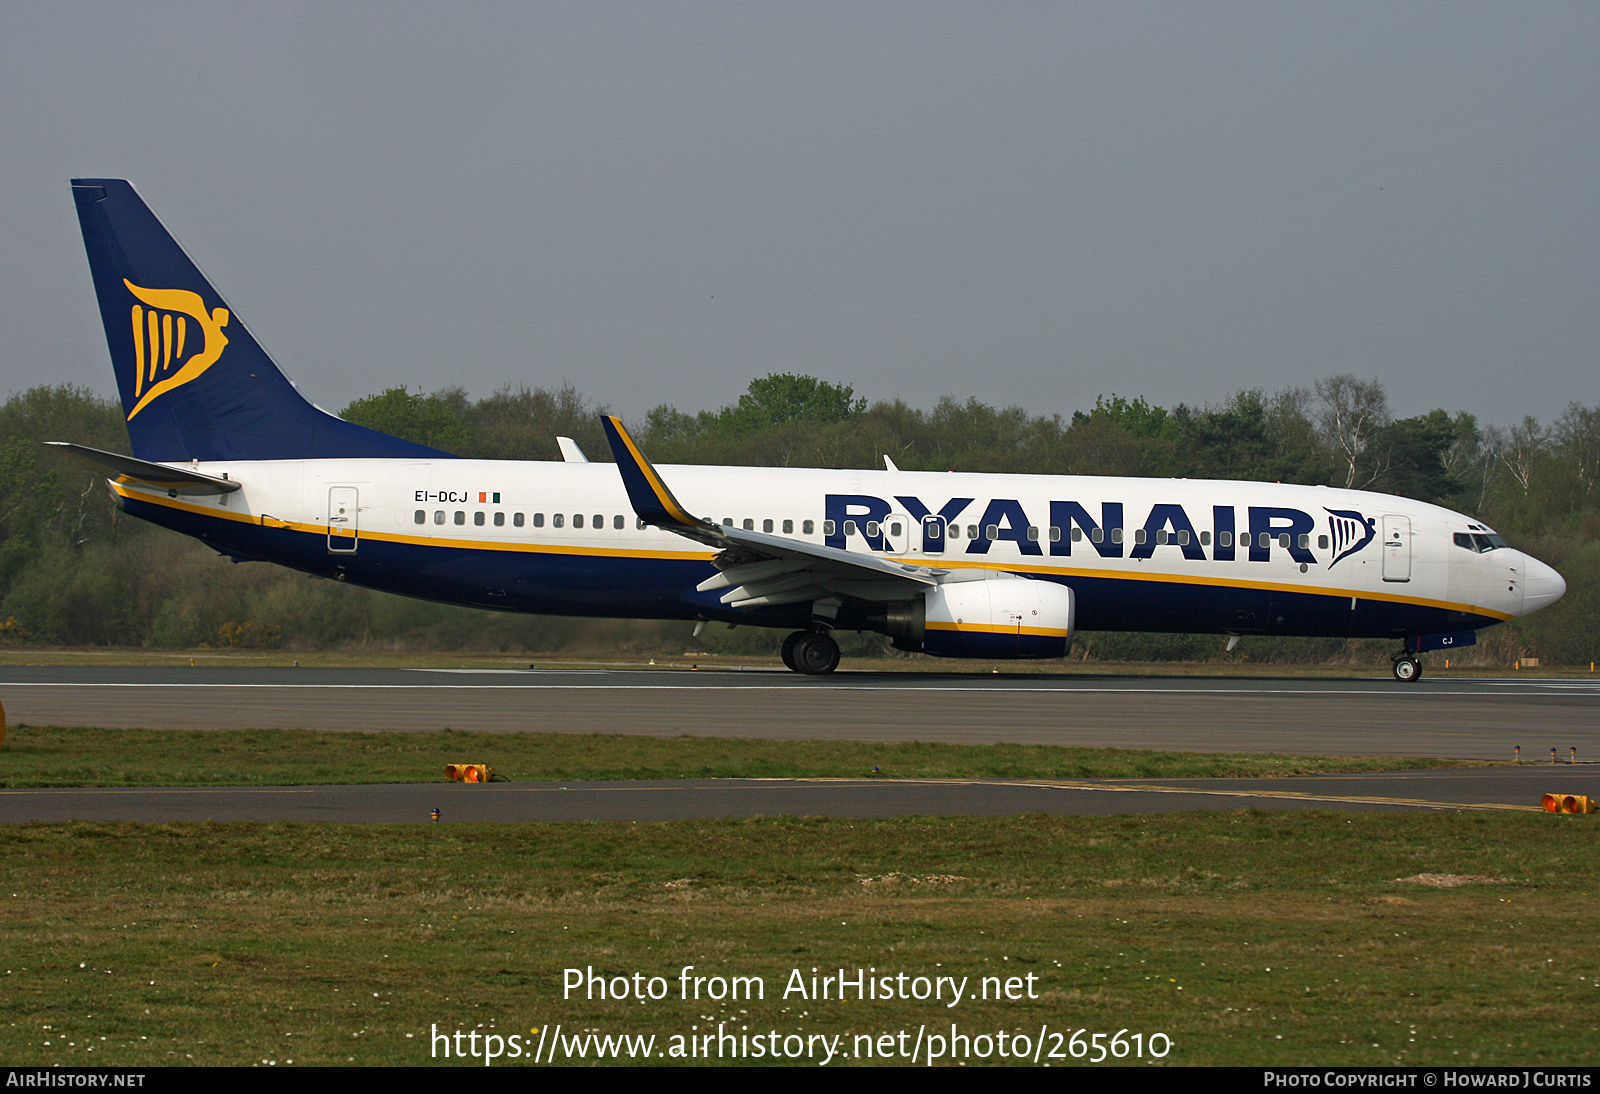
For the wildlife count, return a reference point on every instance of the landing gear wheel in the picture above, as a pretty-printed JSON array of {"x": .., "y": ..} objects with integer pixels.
[
  {"x": 787, "y": 653},
  {"x": 815, "y": 654},
  {"x": 1407, "y": 670}
]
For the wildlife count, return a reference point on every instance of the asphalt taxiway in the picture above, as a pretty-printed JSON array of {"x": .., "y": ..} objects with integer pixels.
[{"x": 1512, "y": 788}]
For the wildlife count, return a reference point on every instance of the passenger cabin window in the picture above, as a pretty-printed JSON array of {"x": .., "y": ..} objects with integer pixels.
[
  {"x": 461, "y": 516},
  {"x": 577, "y": 520},
  {"x": 422, "y": 518},
  {"x": 438, "y": 516},
  {"x": 599, "y": 521},
  {"x": 516, "y": 518},
  {"x": 557, "y": 520},
  {"x": 827, "y": 527},
  {"x": 499, "y": 520},
  {"x": 749, "y": 525},
  {"x": 788, "y": 527},
  {"x": 806, "y": 528},
  {"x": 477, "y": 518},
  {"x": 619, "y": 522}
]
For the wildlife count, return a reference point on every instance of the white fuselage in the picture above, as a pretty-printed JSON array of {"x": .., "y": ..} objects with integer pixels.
[{"x": 1256, "y": 551}]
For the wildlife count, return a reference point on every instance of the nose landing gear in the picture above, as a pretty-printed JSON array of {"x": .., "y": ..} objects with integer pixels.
[{"x": 1407, "y": 669}]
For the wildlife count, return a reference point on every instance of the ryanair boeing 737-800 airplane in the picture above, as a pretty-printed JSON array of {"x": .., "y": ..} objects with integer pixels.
[{"x": 958, "y": 565}]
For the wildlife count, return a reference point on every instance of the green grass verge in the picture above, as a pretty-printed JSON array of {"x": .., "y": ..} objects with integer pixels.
[
  {"x": 1246, "y": 938},
  {"x": 56, "y": 756}
]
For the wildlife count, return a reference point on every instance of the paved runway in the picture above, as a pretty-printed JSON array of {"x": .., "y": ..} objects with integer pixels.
[
  {"x": 1458, "y": 718},
  {"x": 1471, "y": 788},
  {"x": 1439, "y": 716}
]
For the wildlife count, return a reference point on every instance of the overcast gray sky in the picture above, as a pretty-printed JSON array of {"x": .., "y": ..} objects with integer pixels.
[{"x": 1031, "y": 204}]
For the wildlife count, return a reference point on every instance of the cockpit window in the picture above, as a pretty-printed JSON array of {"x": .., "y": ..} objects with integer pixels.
[{"x": 1480, "y": 542}]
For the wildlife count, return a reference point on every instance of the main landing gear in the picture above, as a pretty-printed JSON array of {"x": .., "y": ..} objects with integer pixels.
[
  {"x": 1407, "y": 669},
  {"x": 814, "y": 653}
]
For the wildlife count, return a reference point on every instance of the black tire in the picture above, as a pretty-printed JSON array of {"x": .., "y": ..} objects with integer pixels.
[
  {"x": 787, "y": 652},
  {"x": 816, "y": 655},
  {"x": 1408, "y": 670}
]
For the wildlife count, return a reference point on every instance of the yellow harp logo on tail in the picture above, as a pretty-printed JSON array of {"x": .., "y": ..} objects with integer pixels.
[{"x": 160, "y": 335}]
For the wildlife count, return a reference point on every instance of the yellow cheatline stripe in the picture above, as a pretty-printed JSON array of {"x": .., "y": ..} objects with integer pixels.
[
  {"x": 421, "y": 541},
  {"x": 1214, "y": 582},
  {"x": 986, "y": 628},
  {"x": 663, "y": 495},
  {"x": 1111, "y": 575}
]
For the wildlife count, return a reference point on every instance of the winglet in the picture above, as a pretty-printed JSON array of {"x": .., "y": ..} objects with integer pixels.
[{"x": 651, "y": 499}]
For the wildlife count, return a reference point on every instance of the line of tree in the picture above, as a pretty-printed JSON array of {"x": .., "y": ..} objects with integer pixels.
[{"x": 74, "y": 571}]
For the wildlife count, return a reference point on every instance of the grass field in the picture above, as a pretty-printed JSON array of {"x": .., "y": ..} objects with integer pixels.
[
  {"x": 1245, "y": 938},
  {"x": 66, "y": 756},
  {"x": 1205, "y": 938}
]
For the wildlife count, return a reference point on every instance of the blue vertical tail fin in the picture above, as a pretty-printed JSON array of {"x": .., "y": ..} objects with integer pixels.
[{"x": 195, "y": 384}]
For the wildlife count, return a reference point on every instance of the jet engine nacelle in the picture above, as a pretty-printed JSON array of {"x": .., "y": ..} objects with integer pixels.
[{"x": 1001, "y": 617}]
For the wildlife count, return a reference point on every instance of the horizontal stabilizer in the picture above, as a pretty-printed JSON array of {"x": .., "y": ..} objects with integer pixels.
[{"x": 174, "y": 480}]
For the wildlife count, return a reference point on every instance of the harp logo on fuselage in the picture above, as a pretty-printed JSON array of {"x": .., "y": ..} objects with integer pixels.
[
  {"x": 1351, "y": 532},
  {"x": 161, "y": 333}
]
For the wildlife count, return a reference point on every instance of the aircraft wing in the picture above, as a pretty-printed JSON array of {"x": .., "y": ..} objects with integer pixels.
[
  {"x": 174, "y": 480},
  {"x": 759, "y": 569}
]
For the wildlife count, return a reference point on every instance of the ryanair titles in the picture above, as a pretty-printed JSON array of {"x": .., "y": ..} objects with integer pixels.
[{"x": 1224, "y": 533}]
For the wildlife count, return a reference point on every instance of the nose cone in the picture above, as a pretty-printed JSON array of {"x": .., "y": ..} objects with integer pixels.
[{"x": 1541, "y": 586}]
